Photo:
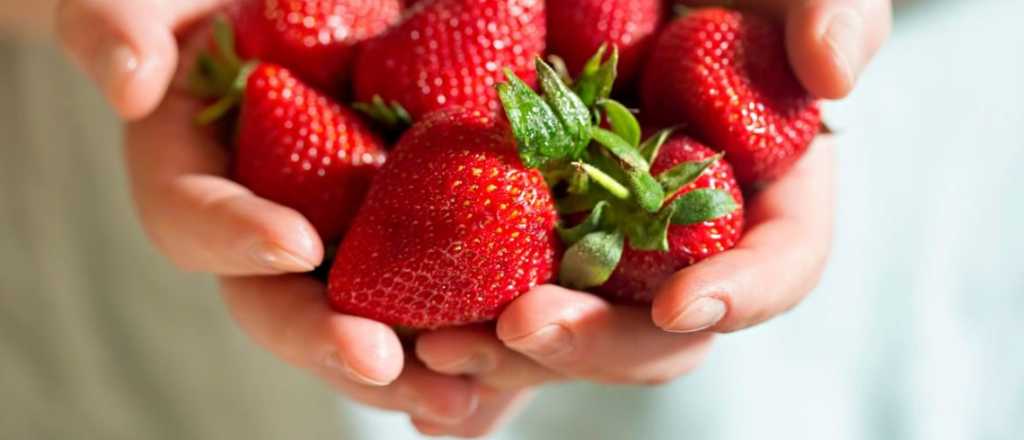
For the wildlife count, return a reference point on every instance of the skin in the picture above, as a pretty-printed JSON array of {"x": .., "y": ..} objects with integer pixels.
[{"x": 462, "y": 382}]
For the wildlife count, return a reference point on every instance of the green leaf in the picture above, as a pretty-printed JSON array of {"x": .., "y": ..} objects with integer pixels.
[
  {"x": 593, "y": 221},
  {"x": 597, "y": 79},
  {"x": 539, "y": 133},
  {"x": 650, "y": 233},
  {"x": 391, "y": 116},
  {"x": 224, "y": 37},
  {"x": 573, "y": 114},
  {"x": 622, "y": 121},
  {"x": 646, "y": 190},
  {"x": 586, "y": 85},
  {"x": 702, "y": 205},
  {"x": 592, "y": 260},
  {"x": 684, "y": 174},
  {"x": 652, "y": 146},
  {"x": 607, "y": 75},
  {"x": 620, "y": 148}
]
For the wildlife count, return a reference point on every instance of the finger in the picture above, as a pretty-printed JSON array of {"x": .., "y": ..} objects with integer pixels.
[
  {"x": 581, "y": 335},
  {"x": 289, "y": 316},
  {"x": 204, "y": 222},
  {"x": 423, "y": 395},
  {"x": 830, "y": 42},
  {"x": 128, "y": 47},
  {"x": 495, "y": 410},
  {"x": 778, "y": 261},
  {"x": 477, "y": 352},
  {"x": 361, "y": 358}
]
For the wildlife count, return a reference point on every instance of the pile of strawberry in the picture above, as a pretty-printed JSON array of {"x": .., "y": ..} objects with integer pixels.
[{"x": 515, "y": 171}]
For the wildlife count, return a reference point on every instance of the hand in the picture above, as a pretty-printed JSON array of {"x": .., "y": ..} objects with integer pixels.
[
  {"x": 129, "y": 48},
  {"x": 553, "y": 333},
  {"x": 205, "y": 222}
]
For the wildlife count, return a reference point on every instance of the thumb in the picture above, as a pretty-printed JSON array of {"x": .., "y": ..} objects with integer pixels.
[{"x": 128, "y": 48}]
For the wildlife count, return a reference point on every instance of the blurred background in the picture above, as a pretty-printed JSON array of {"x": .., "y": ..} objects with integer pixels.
[{"x": 915, "y": 332}]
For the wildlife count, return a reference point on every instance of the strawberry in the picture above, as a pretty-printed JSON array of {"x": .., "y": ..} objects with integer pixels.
[
  {"x": 294, "y": 145},
  {"x": 725, "y": 76},
  {"x": 639, "y": 210},
  {"x": 576, "y": 29},
  {"x": 453, "y": 229},
  {"x": 450, "y": 53},
  {"x": 299, "y": 148},
  {"x": 314, "y": 38},
  {"x": 641, "y": 272}
]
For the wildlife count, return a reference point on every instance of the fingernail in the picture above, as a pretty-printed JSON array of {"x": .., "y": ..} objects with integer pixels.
[
  {"x": 117, "y": 64},
  {"x": 334, "y": 362},
  {"x": 843, "y": 36},
  {"x": 699, "y": 315},
  {"x": 275, "y": 258},
  {"x": 550, "y": 340}
]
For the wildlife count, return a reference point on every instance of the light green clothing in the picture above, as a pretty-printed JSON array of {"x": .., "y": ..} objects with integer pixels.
[{"x": 99, "y": 337}]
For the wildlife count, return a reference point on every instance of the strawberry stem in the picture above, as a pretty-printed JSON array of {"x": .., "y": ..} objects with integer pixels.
[
  {"x": 607, "y": 182},
  {"x": 221, "y": 74}
]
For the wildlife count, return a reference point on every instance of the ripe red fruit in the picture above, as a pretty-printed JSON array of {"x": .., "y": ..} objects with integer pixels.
[
  {"x": 299, "y": 148},
  {"x": 453, "y": 229},
  {"x": 314, "y": 38},
  {"x": 576, "y": 29},
  {"x": 641, "y": 272},
  {"x": 726, "y": 77},
  {"x": 451, "y": 53}
]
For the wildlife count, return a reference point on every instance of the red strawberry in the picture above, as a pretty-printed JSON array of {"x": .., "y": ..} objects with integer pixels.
[
  {"x": 451, "y": 53},
  {"x": 294, "y": 145},
  {"x": 453, "y": 229},
  {"x": 641, "y": 272},
  {"x": 726, "y": 76},
  {"x": 314, "y": 38},
  {"x": 650, "y": 208},
  {"x": 299, "y": 148},
  {"x": 576, "y": 29}
]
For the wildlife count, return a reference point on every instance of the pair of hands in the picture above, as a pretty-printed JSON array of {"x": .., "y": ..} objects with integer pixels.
[{"x": 461, "y": 381}]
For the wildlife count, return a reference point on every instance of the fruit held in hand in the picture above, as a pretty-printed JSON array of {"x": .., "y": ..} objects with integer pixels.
[
  {"x": 640, "y": 273},
  {"x": 725, "y": 76},
  {"x": 299, "y": 148},
  {"x": 293, "y": 145},
  {"x": 576, "y": 29},
  {"x": 316, "y": 39},
  {"x": 449, "y": 53},
  {"x": 642, "y": 209},
  {"x": 453, "y": 229}
]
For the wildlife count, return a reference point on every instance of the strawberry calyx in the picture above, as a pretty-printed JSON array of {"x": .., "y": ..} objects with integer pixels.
[
  {"x": 220, "y": 74},
  {"x": 390, "y": 117},
  {"x": 604, "y": 173}
]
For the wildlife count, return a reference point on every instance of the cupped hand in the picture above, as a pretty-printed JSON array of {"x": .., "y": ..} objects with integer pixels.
[
  {"x": 205, "y": 222},
  {"x": 552, "y": 333}
]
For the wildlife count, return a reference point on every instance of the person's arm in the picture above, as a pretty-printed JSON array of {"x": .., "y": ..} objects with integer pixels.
[{"x": 23, "y": 18}]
